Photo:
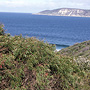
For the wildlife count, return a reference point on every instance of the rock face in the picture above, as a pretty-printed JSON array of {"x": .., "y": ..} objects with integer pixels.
[{"x": 66, "y": 12}]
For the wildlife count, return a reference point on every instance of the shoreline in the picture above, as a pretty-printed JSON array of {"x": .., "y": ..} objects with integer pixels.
[{"x": 60, "y": 15}]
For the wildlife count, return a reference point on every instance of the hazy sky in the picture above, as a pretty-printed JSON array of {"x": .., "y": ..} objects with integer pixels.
[{"x": 34, "y": 6}]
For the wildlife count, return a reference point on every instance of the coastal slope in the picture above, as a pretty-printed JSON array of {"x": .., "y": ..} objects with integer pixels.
[
  {"x": 78, "y": 49},
  {"x": 66, "y": 12}
]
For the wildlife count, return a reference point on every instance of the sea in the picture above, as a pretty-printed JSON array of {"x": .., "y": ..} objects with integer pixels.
[{"x": 59, "y": 30}]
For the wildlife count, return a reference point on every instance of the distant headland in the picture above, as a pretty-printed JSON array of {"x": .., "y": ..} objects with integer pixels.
[{"x": 66, "y": 12}]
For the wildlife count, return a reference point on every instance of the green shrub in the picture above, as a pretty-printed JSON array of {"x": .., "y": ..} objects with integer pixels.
[
  {"x": 1, "y": 29},
  {"x": 30, "y": 64}
]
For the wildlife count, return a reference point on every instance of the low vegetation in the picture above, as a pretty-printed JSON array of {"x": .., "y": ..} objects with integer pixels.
[
  {"x": 80, "y": 53},
  {"x": 30, "y": 64},
  {"x": 78, "y": 49}
]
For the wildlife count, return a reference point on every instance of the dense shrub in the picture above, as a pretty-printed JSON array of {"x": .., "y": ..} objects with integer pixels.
[
  {"x": 30, "y": 64},
  {"x": 1, "y": 29}
]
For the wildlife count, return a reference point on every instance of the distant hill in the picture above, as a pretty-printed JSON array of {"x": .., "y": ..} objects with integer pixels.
[{"x": 66, "y": 12}]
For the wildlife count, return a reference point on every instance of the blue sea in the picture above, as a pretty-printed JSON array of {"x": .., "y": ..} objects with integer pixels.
[{"x": 59, "y": 30}]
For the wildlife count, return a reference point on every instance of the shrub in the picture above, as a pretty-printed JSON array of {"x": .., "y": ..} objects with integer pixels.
[
  {"x": 1, "y": 29},
  {"x": 27, "y": 63}
]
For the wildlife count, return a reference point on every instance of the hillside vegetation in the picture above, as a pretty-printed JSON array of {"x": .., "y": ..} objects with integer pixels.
[
  {"x": 30, "y": 64},
  {"x": 79, "y": 49}
]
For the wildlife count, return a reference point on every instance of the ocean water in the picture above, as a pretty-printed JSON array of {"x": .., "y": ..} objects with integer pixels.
[{"x": 59, "y": 30}]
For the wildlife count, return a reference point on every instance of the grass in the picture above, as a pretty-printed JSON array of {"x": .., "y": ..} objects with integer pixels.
[{"x": 30, "y": 64}]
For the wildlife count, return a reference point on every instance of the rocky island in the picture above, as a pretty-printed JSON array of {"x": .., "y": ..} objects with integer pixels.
[{"x": 66, "y": 12}]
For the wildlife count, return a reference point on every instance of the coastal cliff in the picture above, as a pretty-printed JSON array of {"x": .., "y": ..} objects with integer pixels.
[{"x": 66, "y": 12}]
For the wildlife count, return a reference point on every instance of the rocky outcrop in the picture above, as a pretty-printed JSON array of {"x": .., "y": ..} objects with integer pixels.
[{"x": 66, "y": 12}]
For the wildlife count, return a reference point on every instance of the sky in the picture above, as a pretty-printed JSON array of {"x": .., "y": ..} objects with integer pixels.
[{"x": 35, "y": 6}]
